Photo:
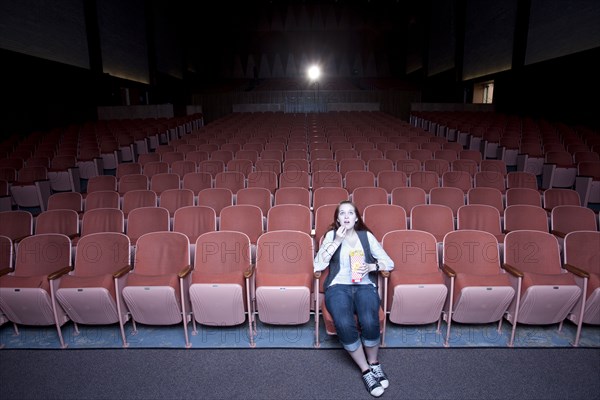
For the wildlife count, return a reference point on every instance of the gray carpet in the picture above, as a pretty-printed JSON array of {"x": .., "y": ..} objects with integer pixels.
[{"x": 481, "y": 373}]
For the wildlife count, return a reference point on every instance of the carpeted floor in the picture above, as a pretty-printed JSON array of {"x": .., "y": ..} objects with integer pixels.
[{"x": 271, "y": 336}]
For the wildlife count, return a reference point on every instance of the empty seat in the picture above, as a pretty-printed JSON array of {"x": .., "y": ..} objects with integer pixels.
[
  {"x": 517, "y": 195},
  {"x": 486, "y": 195},
  {"x": 157, "y": 290},
  {"x": 480, "y": 217},
  {"x": 416, "y": 291},
  {"x": 65, "y": 222},
  {"x": 138, "y": 198},
  {"x": 16, "y": 224},
  {"x": 566, "y": 219},
  {"x": 216, "y": 198},
  {"x": 544, "y": 292},
  {"x": 144, "y": 220},
  {"x": 293, "y": 195},
  {"x": 384, "y": 218},
  {"x": 232, "y": 180},
  {"x": 91, "y": 294},
  {"x": 66, "y": 200},
  {"x": 289, "y": 217},
  {"x": 582, "y": 259},
  {"x": 490, "y": 179},
  {"x": 367, "y": 195},
  {"x": 284, "y": 279},
  {"x": 221, "y": 281},
  {"x": 425, "y": 180},
  {"x": 521, "y": 179},
  {"x": 102, "y": 220},
  {"x": 408, "y": 197},
  {"x": 525, "y": 217},
  {"x": 173, "y": 199},
  {"x": 102, "y": 199},
  {"x": 133, "y": 182},
  {"x": 457, "y": 179},
  {"x": 193, "y": 221},
  {"x": 479, "y": 292},
  {"x": 448, "y": 196},
  {"x": 328, "y": 195},
  {"x": 326, "y": 179},
  {"x": 560, "y": 197},
  {"x": 435, "y": 219},
  {"x": 27, "y": 294}
]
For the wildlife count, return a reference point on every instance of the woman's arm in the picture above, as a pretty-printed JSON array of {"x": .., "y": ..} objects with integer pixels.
[
  {"x": 384, "y": 261},
  {"x": 330, "y": 244}
]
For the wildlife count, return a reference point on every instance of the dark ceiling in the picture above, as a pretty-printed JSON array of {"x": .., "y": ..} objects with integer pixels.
[{"x": 333, "y": 32}]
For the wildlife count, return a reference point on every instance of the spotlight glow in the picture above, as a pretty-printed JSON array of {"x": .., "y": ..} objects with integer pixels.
[{"x": 314, "y": 72}]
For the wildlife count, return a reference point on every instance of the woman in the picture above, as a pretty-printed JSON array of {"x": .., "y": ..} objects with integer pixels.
[{"x": 349, "y": 292}]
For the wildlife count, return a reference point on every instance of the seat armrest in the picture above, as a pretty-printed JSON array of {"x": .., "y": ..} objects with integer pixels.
[
  {"x": 385, "y": 274},
  {"x": 577, "y": 271},
  {"x": 512, "y": 270},
  {"x": 185, "y": 271},
  {"x": 249, "y": 272},
  {"x": 448, "y": 271},
  {"x": 59, "y": 273},
  {"x": 317, "y": 274},
  {"x": 122, "y": 271},
  {"x": 558, "y": 233},
  {"x": 5, "y": 271}
]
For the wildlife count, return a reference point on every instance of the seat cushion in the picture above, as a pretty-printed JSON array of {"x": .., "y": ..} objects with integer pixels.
[
  {"x": 468, "y": 280},
  {"x": 103, "y": 281},
  {"x": 533, "y": 279}
]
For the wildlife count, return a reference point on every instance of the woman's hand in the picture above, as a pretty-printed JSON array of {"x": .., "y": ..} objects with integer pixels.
[{"x": 340, "y": 234}]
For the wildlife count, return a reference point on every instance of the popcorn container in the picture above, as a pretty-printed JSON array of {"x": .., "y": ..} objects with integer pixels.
[{"x": 357, "y": 258}]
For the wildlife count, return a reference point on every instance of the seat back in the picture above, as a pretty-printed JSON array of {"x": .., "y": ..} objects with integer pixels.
[
  {"x": 6, "y": 252},
  {"x": 216, "y": 198},
  {"x": 525, "y": 217},
  {"x": 292, "y": 195},
  {"x": 328, "y": 195},
  {"x": 16, "y": 224},
  {"x": 102, "y": 220},
  {"x": 565, "y": 219},
  {"x": 133, "y": 182},
  {"x": 102, "y": 199},
  {"x": 479, "y": 217},
  {"x": 532, "y": 251},
  {"x": 173, "y": 199},
  {"x": 356, "y": 179},
  {"x": 42, "y": 254},
  {"x": 244, "y": 218},
  {"x": 161, "y": 253},
  {"x": 193, "y": 221},
  {"x": 367, "y": 195},
  {"x": 408, "y": 197},
  {"x": 384, "y": 218},
  {"x": 448, "y": 196},
  {"x": 471, "y": 252},
  {"x": 138, "y": 198},
  {"x": 143, "y": 220},
  {"x": 527, "y": 196},
  {"x": 58, "y": 221},
  {"x": 486, "y": 195},
  {"x": 101, "y": 253},
  {"x": 257, "y": 196},
  {"x": 66, "y": 200},
  {"x": 582, "y": 250},
  {"x": 433, "y": 218},
  {"x": 289, "y": 217}
]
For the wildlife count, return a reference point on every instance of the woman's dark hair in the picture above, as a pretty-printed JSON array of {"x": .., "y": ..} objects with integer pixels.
[{"x": 360, "y": 224}]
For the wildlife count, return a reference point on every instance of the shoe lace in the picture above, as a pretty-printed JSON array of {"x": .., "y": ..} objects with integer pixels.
[
  {"x": 370, "y": 379},
  {"x": 377, "y": 371}
]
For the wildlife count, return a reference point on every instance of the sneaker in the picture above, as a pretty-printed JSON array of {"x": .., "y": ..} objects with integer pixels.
[
  {"x": 372, "y": 384},
  {"x": 380, "y": 375}
]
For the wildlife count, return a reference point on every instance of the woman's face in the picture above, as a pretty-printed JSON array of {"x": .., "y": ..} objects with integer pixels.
[{"x": 347, "y": 216}]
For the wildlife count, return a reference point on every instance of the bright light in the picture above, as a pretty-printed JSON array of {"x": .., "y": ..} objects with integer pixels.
[{"x": 314, "y": 72}]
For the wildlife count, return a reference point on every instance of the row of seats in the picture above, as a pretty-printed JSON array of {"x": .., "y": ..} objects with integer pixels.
[
  {"x": 222, "y": 287},
  {"x": 193, "y": 221}
]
